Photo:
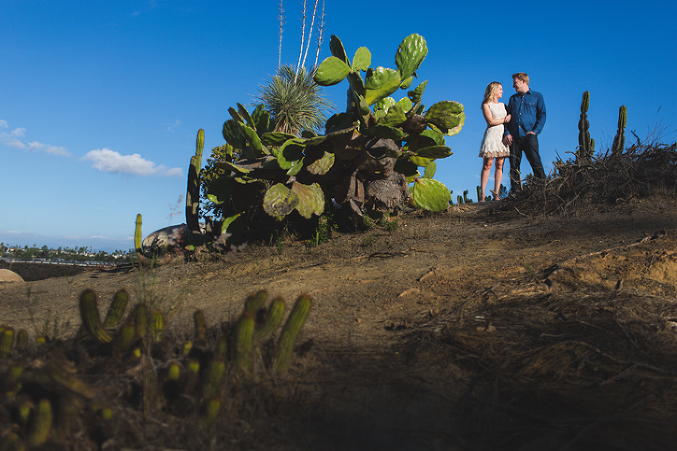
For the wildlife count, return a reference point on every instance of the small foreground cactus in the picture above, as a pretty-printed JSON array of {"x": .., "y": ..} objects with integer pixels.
[{"x": 292, "y": 327}]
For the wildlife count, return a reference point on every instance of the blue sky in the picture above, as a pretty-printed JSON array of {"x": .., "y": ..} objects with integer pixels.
[{"x": 101, "y": 101}]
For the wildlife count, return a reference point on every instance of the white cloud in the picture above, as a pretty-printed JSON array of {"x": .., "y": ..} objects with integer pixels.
[
  {"x": 11, "y": 139},
  {"x": 174, "y": 126},
  {"x": 107, "y": 160}
]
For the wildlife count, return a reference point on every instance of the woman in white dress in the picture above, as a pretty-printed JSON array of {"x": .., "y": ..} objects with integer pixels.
[{"x": 492, "y": 143}]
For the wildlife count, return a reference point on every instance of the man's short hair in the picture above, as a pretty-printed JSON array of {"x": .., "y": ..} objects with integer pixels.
[{"x": 521, "y": 76}]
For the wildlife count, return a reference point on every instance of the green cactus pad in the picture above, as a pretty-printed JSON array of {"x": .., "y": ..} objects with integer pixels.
[
  {"x": 417, "y": 94},
  {"x": 232, "y": 134},
  {"x": 430, "y": 195},
  {"x": 337, "y": 50},
  {"x": 290, "y": 153},
  {"x": 447, "y": 115},
  {"x": 236, "y": 115},
  {"x": 380, "y": 83},
  {"x": 407, "y": 82},
  {"x": 229, "y": 166},
  {"x": 385, "y": 131},
  {"x": 279, "y": 201},
  {"x": 261, "y": 119},
  {"x": 276, "y": 138},
  {"x": 430, "y": 170},
  {"x": 244, "y": 114},
  {"x": 394, "y": 117},
  {"x": 410, "y": 55},
  {"x": 362, "y": 59},
  {"x": 434, "y": 152},
  {"x": 252, "y": 139},
  {"x": 311, "y": 199},
  {"x": 322, "y": 165},
  {"x": 332, "y": 71}
]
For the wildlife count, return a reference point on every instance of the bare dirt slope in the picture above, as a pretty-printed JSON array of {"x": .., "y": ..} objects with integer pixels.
[{"x": 479, "y": 328}]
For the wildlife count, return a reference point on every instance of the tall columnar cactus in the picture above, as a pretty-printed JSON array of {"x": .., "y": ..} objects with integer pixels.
[
  {"x": 244, "y": 334},
  {"x": 42, "y": 423},
  {"x": 585, "y": 144},
  {"x": 157, "y": 325},
  {"x": 213, "y": 377},
  {"x": 193, "y": 190},
  {"x": 273, "y": 319},
  {"x": 200, "y": 325},
  {"x": 141, "y": 320},
  {"x": 6, "y": 341},
  {"x": 138, "y": 238},
  {"x": 619, "y": 140},
  {"x": 290, "y": 331},
  {"x": 64, "y": 377},
  {"x": 89, "y": 312},
  {"x": 116, "y": 309}
]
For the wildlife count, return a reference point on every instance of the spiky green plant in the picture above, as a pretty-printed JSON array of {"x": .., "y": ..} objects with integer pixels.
[
  {"x": 42, "y": 423},
  {"x": 619, "y": 140},
  {"x": 290, "y": 331},
  {"x": 89, "y": 312},
  {"x": 116, "y": 309},
  {"x": 294, "y": 100}
]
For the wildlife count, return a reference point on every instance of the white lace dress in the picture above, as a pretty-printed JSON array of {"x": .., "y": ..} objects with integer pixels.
[{"x": 492, "y": 142}]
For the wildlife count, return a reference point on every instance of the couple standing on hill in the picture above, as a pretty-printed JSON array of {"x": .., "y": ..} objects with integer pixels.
[{"x": 510, "y": 132}]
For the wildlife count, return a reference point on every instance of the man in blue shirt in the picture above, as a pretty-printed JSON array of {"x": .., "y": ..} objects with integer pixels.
[{"x": 527, "y": 111}]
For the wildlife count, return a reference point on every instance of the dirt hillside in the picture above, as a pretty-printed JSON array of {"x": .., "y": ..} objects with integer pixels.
[{"x": 479, "y": 328}]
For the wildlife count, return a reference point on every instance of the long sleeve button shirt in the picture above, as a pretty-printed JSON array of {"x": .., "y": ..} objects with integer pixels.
[{"x": 528, "y": 114}]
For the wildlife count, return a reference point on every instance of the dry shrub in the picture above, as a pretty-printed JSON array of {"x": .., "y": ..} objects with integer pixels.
[{"x": 641, "y": 171}]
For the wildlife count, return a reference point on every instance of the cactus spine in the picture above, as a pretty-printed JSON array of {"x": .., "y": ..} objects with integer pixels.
[
  {"x": 291, "y": 329},
  {"x": 116, "y": 309},
  {"x": 193, "y": 191},
  {"x": 585, "y": 144},
  {"x": 89, "y": 312},
  {"x": 619, "y": 139},
  {"x": 42, "y": 424}
]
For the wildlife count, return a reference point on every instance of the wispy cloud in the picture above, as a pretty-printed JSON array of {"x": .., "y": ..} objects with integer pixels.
[
  {"x": 13, "y": 139},
  {"x": 174, "y": 126},
  {"x": 107, "y": 160}
]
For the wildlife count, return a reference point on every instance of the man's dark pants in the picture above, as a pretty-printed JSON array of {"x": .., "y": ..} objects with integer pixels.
[{"x": 529, "y": 145}]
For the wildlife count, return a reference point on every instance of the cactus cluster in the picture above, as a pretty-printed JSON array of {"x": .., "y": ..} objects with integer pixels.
[
  {"x": 194, "y": 377},
  {"x": 363, "y": 163}
]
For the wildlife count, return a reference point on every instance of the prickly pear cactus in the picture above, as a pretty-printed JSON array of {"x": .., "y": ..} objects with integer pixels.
[{"x": 365, "y": 161}]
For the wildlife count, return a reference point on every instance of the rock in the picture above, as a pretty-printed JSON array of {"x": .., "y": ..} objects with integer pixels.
[
  {"x": 165, "y": 240},
  {"x": 7, "y": 276},
  {"x": 170, "y": 239}
]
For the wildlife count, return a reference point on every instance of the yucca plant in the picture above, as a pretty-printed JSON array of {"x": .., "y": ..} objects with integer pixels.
[{"x": 294, "y": 101}]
